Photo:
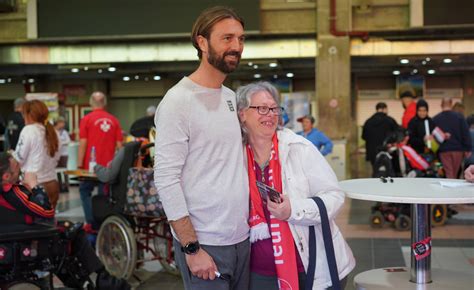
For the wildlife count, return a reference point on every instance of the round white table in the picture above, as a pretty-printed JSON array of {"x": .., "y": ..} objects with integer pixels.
[{"x": 420, "y": 193}]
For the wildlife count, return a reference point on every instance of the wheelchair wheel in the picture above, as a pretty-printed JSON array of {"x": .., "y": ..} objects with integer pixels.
[
  {"x": 21, "y": 286},
  {"x": 164, "y": 247},
  {"x": 403, "y": 223},
  {"x": 439, "y": 214},
  {"x": 116, "y": 247},
  {"x": 377, "y": 220}
]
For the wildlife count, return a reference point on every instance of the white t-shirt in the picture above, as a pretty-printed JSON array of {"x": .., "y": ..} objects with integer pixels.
[
  {"x": 64, "y": 141},
  {"x": 199, "y": 164},
  {"x": 32, "y": 153}
]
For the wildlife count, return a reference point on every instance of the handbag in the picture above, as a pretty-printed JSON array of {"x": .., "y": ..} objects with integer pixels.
[
  {"x": 142, "y": 196},
  {"x": 328, "y": 245}
]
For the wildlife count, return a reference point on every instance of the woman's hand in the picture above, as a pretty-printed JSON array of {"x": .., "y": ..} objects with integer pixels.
[{"x": 281, "y": 211}]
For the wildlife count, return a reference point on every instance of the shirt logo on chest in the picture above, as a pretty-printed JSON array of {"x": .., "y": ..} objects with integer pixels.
[
  {"x": 230, "y": 105},
  {"x": 104, "y": 126}
]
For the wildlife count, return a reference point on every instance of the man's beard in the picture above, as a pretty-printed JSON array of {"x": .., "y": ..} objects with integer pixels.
[{"x": 220, "y": 63}]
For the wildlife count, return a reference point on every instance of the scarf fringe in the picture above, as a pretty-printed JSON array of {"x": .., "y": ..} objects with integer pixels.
[{"x": 259, "y": 232}]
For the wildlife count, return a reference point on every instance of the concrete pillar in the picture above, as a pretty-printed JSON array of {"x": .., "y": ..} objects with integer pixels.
[
  {"x": 468, "y": 98},
  {"x": 333, "y": 78},
  {"x": 333, "y": 71}
]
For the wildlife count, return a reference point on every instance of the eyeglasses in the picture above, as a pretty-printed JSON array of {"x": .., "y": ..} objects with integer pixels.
[{"x": 264, "y": 110}]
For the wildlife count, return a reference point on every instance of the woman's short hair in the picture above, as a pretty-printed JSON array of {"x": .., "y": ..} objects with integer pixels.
[
  {"x": 206, "y": 21},
  {"x": 244, "y": 98}
]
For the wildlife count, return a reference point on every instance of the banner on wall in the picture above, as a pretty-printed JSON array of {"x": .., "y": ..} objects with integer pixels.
[
  {"x": 49, "y": 99},
  {"x": 413, "y": 84},
  {"x": 296, "y": 105}
]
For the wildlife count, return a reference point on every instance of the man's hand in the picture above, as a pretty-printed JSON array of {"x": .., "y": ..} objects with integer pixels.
[
  {"x": 281, "y": 211},
  {"x": 202, "y": 265},
  {"x": 469, "y": 173}
]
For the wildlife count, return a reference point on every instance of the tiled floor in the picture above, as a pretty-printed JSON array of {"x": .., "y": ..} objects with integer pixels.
[{"x": 453, "y": 244}]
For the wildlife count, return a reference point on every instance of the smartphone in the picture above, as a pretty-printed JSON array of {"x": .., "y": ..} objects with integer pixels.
[{"x": 267, "y": 191}]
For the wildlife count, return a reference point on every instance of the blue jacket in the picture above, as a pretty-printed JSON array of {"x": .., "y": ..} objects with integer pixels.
[{"x": 321, "y": 141}]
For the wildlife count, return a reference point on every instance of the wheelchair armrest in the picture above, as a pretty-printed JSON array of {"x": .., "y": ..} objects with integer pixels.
[{"x": 26, "y": 232}]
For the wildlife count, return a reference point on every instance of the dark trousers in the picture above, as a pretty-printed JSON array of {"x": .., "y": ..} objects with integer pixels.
[
  {"x": 258, "y": 282},
  {"x": 233, "y": 260}
]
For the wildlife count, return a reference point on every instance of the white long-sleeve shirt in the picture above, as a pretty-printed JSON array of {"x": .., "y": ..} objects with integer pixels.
[{"x": 199, "y": 165}]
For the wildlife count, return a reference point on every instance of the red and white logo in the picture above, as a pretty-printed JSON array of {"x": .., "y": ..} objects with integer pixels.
[{"x": 26, "y": 252}]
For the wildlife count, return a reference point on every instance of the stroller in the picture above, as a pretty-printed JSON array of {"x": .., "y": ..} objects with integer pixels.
[{"x": 396, "y": 159}]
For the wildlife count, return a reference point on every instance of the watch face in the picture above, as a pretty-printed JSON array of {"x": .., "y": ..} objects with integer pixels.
[{"x": 192, "y": 248}]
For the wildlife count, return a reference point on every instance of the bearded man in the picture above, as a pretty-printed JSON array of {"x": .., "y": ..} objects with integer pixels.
[{"x": 199, "y": 168}]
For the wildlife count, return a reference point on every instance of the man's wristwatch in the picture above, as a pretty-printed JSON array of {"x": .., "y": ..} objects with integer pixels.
[{"x": 191, "y": 248}]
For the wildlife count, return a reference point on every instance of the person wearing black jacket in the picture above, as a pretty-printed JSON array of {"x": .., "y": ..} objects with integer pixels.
[
  {"x": 376, "y": 129},
  {"x": 14, "y": 125},
  {"x": 416, "y": 127}
]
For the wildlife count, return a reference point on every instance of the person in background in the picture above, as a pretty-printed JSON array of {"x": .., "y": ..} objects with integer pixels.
[
  {"x": 199, "y": 167},
  {"x": 295, "y": 168},
  {"x": 408, "y": 100},
  {"x": 142, "y": 126},
  {"x": 470, "y": 122},
  {"x": 458, "y": 145},
  {"x": 376, "y": 129},
  {"x": 417, "y": 128},
  {"x": 458, "y": 107},
  {"x": 64, "y": 140},
  {"x": 321, "y": 141},
  {"x": 14, "y": 125},
  {"x": 99, "y": 130},
  {"x": 37, "y": 150},
  {"x": 469, "y": 173},
  {"x": 2, "y": 133}
]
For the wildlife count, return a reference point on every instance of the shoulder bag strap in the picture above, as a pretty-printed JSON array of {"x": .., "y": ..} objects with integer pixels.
[{"x": 328, "y": 245}]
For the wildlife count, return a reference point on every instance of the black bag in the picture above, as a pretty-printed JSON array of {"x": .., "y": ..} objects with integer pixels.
[{"x": 328, "y": 245}]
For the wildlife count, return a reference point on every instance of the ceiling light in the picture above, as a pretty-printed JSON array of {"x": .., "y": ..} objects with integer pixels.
[
  {"x": 273, "y": 64},
  {"x": 427, "y": 59},
  {"x": 250, "y": 63},
  {"x": 9, "y": 80},
  {"x": 2, "y": 81},
  {"x": 447, "y": 60},
  {"x": 414, "y": 71},
  {"x": 396, "y": 72},
  {"x": 31, "y": 81},
  {"x": 257, "y": 76},
  {"x": 431, "y": 71},
  {"x": 290, "y": 75},
  {"x": 255, "y": 66},
  {"x": 275, "y": 76},
  {"x": 86, "y": 68},
  {"x": 112, "y": 69},
  {"x": 157, "y": 78},
  {"x": 423, "y": 62},
  {"x": 99, "y": 70},
  {"x": 126, "y": 78},
  {"x": 75, "y": 70},
  {"x": 137, "y": 77},
  {"x": 404, "y": 61}
]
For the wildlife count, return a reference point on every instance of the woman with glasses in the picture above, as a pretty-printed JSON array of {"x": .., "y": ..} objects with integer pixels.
[{"x": 279, "y": 225}]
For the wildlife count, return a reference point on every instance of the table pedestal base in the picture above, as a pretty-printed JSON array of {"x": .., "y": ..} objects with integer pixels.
[{"x": 380, "y": 279}]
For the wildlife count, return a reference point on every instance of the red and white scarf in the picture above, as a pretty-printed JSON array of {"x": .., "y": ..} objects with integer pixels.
[{"x": 282, "y": 239}]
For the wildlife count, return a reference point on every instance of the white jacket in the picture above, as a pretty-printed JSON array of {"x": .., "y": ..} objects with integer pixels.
[{"x": 306, "y": 173}]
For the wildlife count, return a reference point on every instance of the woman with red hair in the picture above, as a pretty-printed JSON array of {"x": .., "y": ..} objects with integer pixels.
[{"x": 37, "y": 150}]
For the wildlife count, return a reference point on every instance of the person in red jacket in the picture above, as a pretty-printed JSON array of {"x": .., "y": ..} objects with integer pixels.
[{"x": 409, "y": 104}]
